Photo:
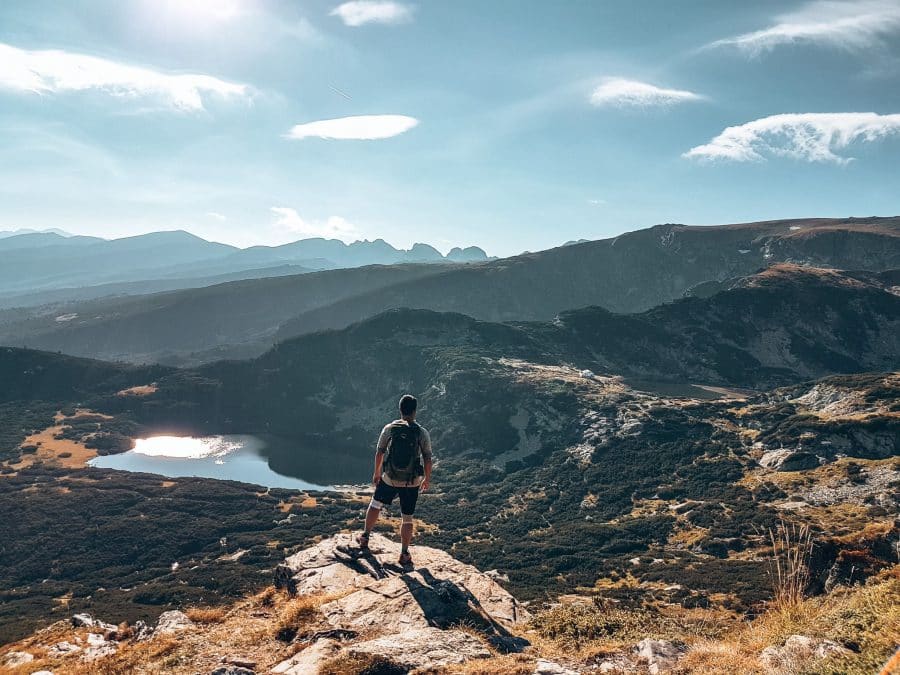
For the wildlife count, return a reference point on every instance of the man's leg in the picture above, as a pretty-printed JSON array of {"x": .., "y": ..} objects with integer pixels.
[
  {"x": 406, "y": 531},
  {"x": 384, "y": 495},
  {"x": 372, "y": 514},
  {"x": 408, "y": 499}
]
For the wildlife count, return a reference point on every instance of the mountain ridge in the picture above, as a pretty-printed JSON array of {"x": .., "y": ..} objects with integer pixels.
[
  {"x": 44, "y": 261},
  {"x": 628, "y": 273}
]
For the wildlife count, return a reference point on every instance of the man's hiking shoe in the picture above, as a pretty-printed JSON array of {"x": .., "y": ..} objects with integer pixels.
[
  {"x": 405, "y": 559},
  {"x": 363, "y": 541}
]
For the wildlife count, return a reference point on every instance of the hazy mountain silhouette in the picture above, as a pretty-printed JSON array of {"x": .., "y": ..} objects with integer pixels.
[
  {"x": 31, "y": 262},
  {"x": 629, "y": 273},
  {"x": 4, "y": 234},
  {"x": 56, "y": 296}
]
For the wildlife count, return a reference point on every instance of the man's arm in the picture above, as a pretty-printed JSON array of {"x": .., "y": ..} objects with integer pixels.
[
  {"x": 427, "y": 481},
  {"x": 379, "y": 460},
  {"x": 380, "y": 449},
  {"x": 426, "y": 460}
]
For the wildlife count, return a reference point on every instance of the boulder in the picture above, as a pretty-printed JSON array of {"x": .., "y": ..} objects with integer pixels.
[
  {"x": 545, "y": 667},
  {"x": 141, "y": 631},
  {"x": 421, "y": 647},
  {"x": 440, "y": 591},
  {"x": 15, "y": 659},
  {"x": 82, "y": 621},
  {"x": 307, "y": 662},
  {"x": 63, "y": 648},
  {"x": 98, "y": 646},
  {"x": 789, "y": 460},
  {"x": 659, "y": 655},
  {"x": 409, "y": 615},
  {"x": 798, "y": 651},
  {"x": 172, "y": 622},
  {"x": 239, "y": 661}
]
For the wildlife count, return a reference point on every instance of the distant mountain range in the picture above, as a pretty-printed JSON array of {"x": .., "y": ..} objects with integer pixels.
[
  {"x": 630, "y": 273},
  {"x": 4, "y": 234},
  {"x": 32, "y": 262}
]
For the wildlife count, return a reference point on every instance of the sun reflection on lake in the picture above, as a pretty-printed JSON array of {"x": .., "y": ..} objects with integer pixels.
[
  {"x": 246, "y": 458},
  {"x": 185, "y": 447}
]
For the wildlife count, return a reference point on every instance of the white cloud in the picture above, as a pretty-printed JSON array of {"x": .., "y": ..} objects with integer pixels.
[
  {"x": 215, "y": 215},
  {"x": 360, "y": 127},
  {"x": 361, "y": 12},
  {"x": 621, "y": 92},
  {"x": 849, "y": 25},
  {"x": 813, "y": 137},
  {"x": 596, "y": 202},
  {"x": 334, "y": 227},
  {"x": 55, "y": 71}
]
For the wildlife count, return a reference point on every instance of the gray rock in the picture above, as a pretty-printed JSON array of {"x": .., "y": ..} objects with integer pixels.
[
  {"x": 308, "y": 661},
  {"x": 239, "y": 661},
  {"x": 659, "y": 655},
  {"x": 422, "y": 647},
  {"x": 410, "y": 614},
  {"x": 63, "y": 648},
  {"x": 141, "y": 631},
  {"x": 798, "y": 652},
  {"x": 232, "y": 670},
  {"x": 98, "y": 646},
  {"x": 172, "y": 622},
  {"x": 497, "y": 576},
  {"x": 440, "y": 591},
  {"x": 545, "y": 667},
  {"x": 15, "y": 659},
  {"x": 82, "y": 621},
  {"x": 789, "y": 460}
]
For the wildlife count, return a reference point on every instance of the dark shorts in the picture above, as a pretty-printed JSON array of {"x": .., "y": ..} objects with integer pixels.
[{"x": 384, "y": 494}]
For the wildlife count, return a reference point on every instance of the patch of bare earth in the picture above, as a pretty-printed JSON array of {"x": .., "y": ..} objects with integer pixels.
[
  {"x": 55, "y": 451},
  {"x": 140, "y": 390}
]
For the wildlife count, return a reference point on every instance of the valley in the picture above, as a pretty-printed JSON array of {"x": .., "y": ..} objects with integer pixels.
[
  {"x": 551, "y": 466},
  {"x": 633, "y": 460}
]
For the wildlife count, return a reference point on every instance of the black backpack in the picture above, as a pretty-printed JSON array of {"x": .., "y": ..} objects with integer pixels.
[{"x": 402, "y": 463}]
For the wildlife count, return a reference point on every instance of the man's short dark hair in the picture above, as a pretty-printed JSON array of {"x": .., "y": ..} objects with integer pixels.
[{"x": 408, "y": 404}]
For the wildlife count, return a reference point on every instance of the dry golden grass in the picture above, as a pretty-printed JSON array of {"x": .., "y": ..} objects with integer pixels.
[
  {"x": 360, "y": 664},
  {"x": 207, "y": 614},
  {"x": 789, "y": 564},
  {"x": 509, "y": 664},
  {"x": 718, "y": 658},
  {"x": 867, "y": 616},
  {"x": 294, "y": 613}
]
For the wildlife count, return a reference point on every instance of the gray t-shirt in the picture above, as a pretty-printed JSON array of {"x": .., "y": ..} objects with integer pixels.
[{"x": 424, "y": 448}]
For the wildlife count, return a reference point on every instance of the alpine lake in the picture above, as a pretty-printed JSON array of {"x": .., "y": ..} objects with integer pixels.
[{"x": 266, "y": 461}]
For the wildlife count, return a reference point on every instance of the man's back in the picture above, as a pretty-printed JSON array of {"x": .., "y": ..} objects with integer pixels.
[{"x": 392, "y": 436}]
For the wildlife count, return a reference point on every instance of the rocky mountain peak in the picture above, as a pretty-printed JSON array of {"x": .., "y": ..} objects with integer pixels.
[{"x": 414, "y": 613}]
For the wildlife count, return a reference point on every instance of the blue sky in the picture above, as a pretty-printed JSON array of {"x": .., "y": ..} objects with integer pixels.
[{"x": 512, "y": 125}]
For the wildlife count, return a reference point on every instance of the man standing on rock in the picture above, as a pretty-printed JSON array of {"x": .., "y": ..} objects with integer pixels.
[{"x": 402, "y": 468}]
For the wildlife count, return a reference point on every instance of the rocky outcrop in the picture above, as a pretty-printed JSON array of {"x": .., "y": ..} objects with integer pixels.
[
  {"x": 785, "y": 459},
  {"x": 412, "y": 614},
  {"x": 660, "y": 656},
  {"x": 172, "y": 622},
  {"x": 422, "y": 647},
  {"x": 16, "y": 659},
  {"x": 798, "y": 651}
]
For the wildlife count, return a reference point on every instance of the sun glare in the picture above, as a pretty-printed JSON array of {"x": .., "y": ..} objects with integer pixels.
[
  {"x": 184, "y": 447},
  {"x": 202, "y": 10}
]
